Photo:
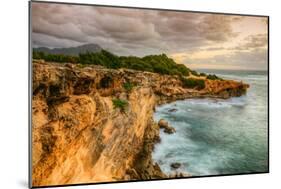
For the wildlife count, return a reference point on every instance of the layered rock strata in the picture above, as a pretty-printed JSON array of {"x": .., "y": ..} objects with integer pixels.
[{"x": 80, "y": 136}]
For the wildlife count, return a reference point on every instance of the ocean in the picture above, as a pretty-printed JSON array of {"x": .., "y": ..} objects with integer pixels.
[{"x": 216, "y": 136}]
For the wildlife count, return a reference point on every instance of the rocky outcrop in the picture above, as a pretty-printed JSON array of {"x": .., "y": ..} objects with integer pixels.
[
  {"x": 165, "y": 125},
  {"x": 80, "y": 136},
  {"x": 170, "y": 88},
  {"x": 172, "y": 110},
  {"x": 177, "y": 174},
  {"x": 175, "y": 165}
]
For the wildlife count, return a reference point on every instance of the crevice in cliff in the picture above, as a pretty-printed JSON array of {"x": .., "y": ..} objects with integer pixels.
[{"x": 143, "y": 167}]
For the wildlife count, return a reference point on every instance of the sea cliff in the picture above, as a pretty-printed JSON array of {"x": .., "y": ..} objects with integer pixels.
[{"x": 79, "y": 135}]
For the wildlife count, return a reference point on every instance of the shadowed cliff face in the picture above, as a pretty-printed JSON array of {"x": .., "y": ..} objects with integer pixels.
[{"x": 78, "y": 136}]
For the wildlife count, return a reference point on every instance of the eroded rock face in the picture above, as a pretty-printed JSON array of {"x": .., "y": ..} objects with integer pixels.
[
  {"x": 77, "y": 134},
  {"x": 79, "y": 137}
]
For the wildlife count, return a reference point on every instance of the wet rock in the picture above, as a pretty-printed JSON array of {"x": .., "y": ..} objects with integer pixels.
[
  {"x": 179, "y": 175},
  {"x": 162, "y": 123},
  {"x": 157, "y": 139},
  {"x": 167, "y": 129},
  {"x": 173, "y": 110},
  {"x": 175, "y": 165},
  {"x": 143, "y": 164}
]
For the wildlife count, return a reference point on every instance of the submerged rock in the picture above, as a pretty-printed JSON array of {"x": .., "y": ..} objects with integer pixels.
[
  {"x": 175, "y": 165},
  {"x": 173, "y": 110},
  {"x": 169, "y": 130}
]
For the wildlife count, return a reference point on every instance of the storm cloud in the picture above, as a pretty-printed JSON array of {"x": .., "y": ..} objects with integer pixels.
[{"x": 132, "y": 31}]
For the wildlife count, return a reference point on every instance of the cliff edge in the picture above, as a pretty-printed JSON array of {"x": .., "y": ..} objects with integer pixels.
[{"x": 92, "y": 124}]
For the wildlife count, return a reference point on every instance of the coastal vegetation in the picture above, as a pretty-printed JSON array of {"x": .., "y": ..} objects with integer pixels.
[
  {"x": 202, "y": 74},
  {"x": 193, "y": 72},
  {"x": 128, "y": 86},
  {"x": 161, "y": 64},
  {"x": 121, "y": 104},
  {"x": 213, "y": 77},
  {"x": 193, "y": 83},
  {"x": 55, "y": 57}
]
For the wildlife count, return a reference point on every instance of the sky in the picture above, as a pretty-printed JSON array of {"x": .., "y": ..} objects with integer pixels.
[{"x": 198, "y": 40}]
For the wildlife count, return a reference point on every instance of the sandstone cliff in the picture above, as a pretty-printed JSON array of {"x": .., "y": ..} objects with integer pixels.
[{"x": 80, "y": 137}]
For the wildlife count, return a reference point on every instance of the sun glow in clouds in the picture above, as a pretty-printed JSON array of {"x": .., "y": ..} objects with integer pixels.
[{"x": 194, "y": 39}]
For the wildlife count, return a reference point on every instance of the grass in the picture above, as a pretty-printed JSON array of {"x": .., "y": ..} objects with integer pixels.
[
  {"x": 121, "y": 104},
  {"x": 128, "y": 86}
]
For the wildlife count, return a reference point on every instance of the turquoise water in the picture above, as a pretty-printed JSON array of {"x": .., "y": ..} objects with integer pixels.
[{"x": 217, "y": 136}]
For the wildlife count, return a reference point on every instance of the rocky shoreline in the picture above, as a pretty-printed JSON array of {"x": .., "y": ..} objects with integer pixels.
[{"x": 81, "y": 136}]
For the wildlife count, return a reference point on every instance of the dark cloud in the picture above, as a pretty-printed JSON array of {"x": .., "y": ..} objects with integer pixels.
[
  {"x": 217, "y": 28},
  {"x": 127, "y": 31},
  {"x": 253, "y": 42},
  {"x": 141, "y": 32}
]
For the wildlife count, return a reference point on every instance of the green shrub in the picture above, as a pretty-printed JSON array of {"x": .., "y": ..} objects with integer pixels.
[
  {"x": 55, "y": 57},
  {"x": 175, "y": 72},
  {"x": 193, "y": 72},
  {"x": 136, "y": 63},
  {"x": 121, "y": 104},
  {"x": 38, "y": 55},
  {"x": 103, "y": 58},
  {"x": 128, "y": 86},
  {"x": 193, "y": 83},
  {"x": 161, "y": 64},
  {"x": 203, "y": 74},
  {"x": 213, "y": 77},
  {"x": 164, "y": 65},
  {"x": 183, "y": 69}
]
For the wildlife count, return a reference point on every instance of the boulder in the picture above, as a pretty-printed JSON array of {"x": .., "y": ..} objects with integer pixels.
[
  {"x": 172, "y": 110},
  {"x": 164, "y": 125},
  {"x": 179, "y": 175},
  {"x": 169, "y": 130},
  {"x": 175, "y": 165}
]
